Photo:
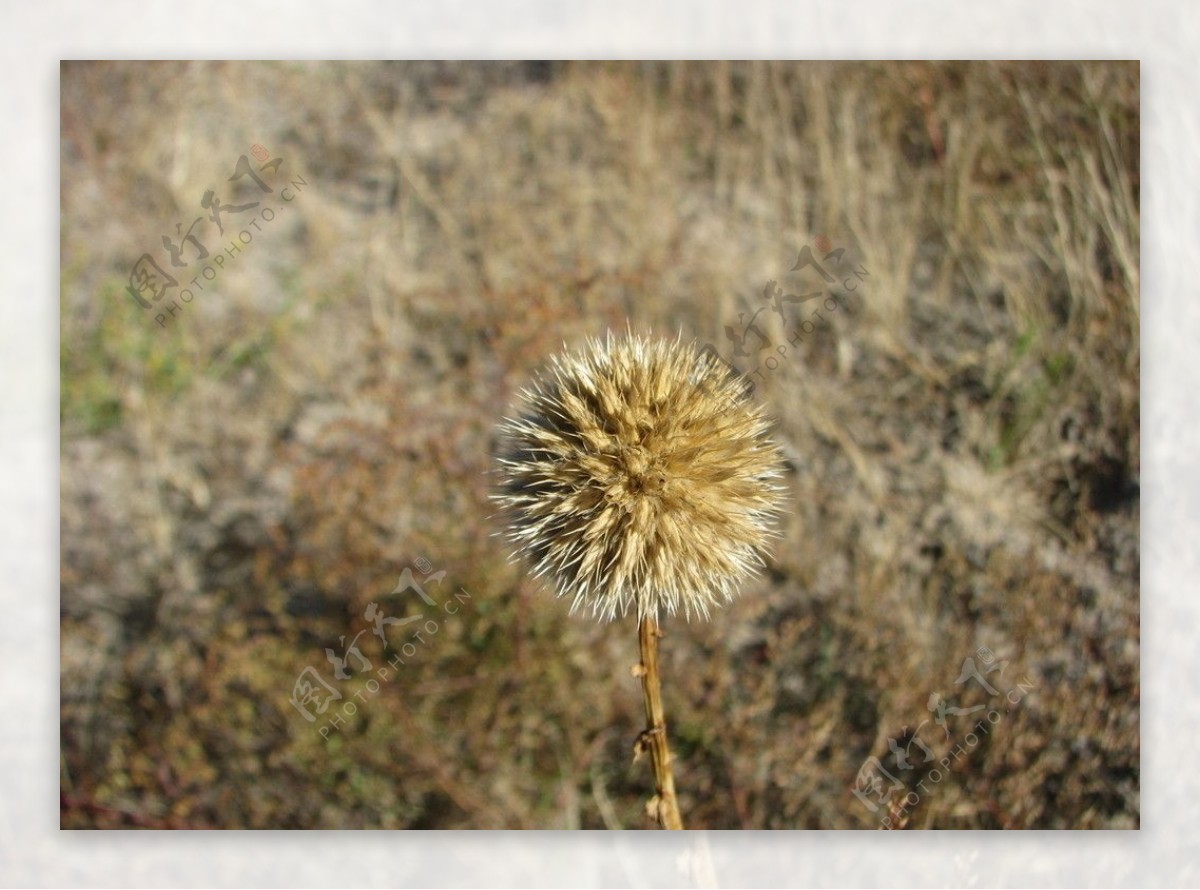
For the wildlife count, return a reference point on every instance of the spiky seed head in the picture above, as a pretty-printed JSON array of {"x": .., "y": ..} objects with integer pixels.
[{"x": 638, "y": 474}]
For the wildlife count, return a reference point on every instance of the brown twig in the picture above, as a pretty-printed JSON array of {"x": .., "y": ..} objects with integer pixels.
[{"x": 665, "y": 806}]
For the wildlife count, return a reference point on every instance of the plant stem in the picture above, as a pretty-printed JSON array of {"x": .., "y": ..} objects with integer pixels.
[{"x": 655, "y": 736}]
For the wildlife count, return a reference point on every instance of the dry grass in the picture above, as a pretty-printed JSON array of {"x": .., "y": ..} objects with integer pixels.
[{"x": 962, "y": 436}]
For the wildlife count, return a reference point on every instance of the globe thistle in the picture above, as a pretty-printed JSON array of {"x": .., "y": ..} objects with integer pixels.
[{"x": 639, "y": 475}]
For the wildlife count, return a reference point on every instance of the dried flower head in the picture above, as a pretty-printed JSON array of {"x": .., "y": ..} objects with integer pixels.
[{"x": 639, "y": 474}]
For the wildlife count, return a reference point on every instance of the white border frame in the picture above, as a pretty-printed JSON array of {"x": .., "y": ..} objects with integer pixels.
[{"x": 1164, "y": 35}]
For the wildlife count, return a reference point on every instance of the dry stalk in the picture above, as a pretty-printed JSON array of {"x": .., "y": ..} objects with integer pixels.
[{"x": 665, "y": 805}]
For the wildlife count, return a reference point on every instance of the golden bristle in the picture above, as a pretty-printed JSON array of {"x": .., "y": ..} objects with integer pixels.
[{"x": 638, "y": 473}]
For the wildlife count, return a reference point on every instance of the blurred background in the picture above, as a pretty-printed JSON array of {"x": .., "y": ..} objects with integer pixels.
[{"x": 297, "y": 298}]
